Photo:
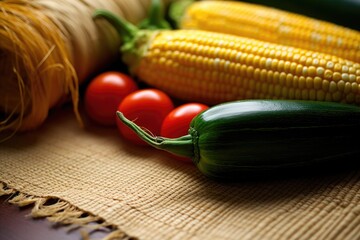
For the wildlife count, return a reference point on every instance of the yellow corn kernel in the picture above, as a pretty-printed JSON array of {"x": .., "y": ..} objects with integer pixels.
[
  {"x": 273, "y": 25},
  {"x": 226, "y": 67}
]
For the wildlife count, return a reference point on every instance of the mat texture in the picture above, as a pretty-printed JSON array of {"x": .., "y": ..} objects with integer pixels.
[{"x": 148, "y": 195}]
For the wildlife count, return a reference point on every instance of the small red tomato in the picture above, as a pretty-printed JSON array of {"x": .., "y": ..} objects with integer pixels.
[
  {"x": 177, "y": 122},
  {"x": 147, "y": 108},
  {"x": 104, "y": 93}
]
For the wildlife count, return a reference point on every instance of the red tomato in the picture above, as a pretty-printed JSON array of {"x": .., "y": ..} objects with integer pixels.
[
  {"x": 177, "y": 122},
  {"x": 103, "y": 95},
  {"x": 147, "y": 108}
]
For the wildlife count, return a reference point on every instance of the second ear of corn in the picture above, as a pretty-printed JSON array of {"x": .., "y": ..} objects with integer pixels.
[{"x": 273, "y": 25}]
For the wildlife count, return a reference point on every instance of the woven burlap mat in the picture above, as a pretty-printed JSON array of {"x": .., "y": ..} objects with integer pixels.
[{"x": 146, "y": 194}]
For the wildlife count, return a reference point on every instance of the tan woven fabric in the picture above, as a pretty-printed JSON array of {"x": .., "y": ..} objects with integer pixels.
[{"x": 150, "y": 196}]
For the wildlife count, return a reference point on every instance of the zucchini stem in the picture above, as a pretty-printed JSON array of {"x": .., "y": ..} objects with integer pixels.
[{"x": 182, "y": 146}]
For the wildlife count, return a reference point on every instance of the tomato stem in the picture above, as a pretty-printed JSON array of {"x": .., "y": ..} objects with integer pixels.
[{"x": 182, "y": 146}]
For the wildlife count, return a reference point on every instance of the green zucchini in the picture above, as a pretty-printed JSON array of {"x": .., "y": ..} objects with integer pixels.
[{"x": 260, "y": 137}]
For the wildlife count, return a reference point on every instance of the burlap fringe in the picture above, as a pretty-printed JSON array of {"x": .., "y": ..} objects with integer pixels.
[{"x": 61, "y": 212}]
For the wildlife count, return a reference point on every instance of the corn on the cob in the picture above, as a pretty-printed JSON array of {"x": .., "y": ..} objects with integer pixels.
[
  {"x": 273, "y": 25},
  {"x": 213, "y": 67}
]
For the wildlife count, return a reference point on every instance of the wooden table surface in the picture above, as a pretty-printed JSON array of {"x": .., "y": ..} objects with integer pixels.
[{"x": 16, "y": 224}]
